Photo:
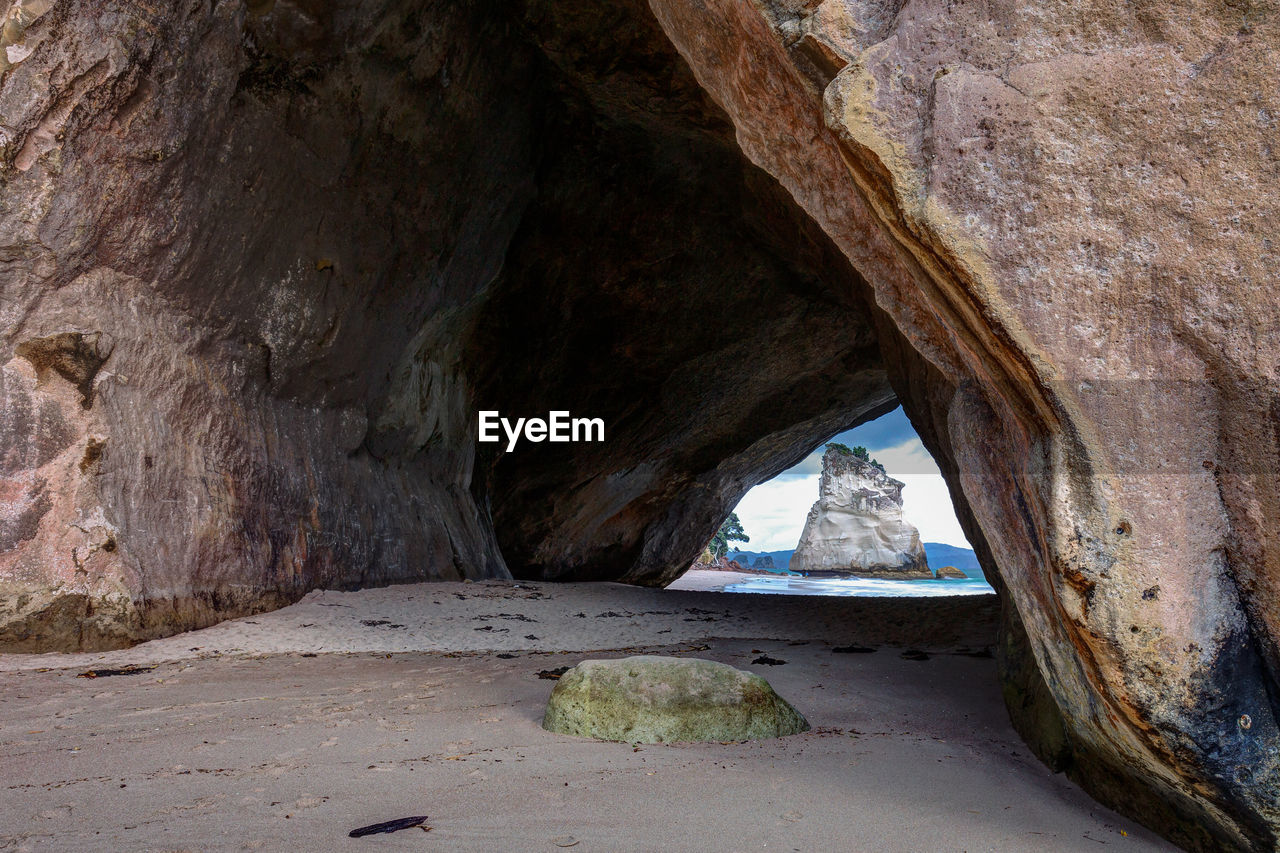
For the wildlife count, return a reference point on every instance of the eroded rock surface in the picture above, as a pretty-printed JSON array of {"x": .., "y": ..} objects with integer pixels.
[
  {"x": 261, "y": 265},
  {"x": 856, "y": 527},
  {"x": 1071, "y": 205},
  {"x": 229, "y": 367}
]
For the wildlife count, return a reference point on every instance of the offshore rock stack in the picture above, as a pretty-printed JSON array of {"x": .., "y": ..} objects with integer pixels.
[{"x": 856, "y": 528}]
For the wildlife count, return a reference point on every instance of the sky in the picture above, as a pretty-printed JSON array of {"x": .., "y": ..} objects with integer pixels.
[{"x": 773, "y": 513}]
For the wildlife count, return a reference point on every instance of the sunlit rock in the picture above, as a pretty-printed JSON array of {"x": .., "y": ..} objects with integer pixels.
[{"x": 856, "y": 527}]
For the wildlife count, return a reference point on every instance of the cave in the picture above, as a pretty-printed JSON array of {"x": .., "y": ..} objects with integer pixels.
[{"x": 263, "y": 264}]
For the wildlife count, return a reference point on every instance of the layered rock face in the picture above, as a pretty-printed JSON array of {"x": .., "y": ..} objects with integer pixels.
[
  {"x": 260, "y": 267},
  {"x": 1064, "y": 209},
  {"x": 226, "y": 319},
  {"x": 260, "y": 264},
  {"x": 856, "y": 527}
]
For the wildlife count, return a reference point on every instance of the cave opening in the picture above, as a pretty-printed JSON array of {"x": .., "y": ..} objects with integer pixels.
[
  {"x": 658, "y": 279},
  {"x": 883, "y": 527}
]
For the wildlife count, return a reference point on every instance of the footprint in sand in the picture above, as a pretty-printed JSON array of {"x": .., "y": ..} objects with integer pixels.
[{"x": 62, "y": 812}]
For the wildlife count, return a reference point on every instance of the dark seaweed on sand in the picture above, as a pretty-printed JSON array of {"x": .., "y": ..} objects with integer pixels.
[
  {"x": 132, "y": 669},
  {"x": 388, "y": 826}
]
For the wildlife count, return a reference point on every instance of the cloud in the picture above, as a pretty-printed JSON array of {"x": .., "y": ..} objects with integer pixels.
[
  {"x": 885, "y": 431},
  {"x": 773, "y": 513},
  {"x": 810, "y": 466},
  {"x": 907, "y": 459},
  {"x": 889, "y": 439},
  {"x": 926, "y": 503}
]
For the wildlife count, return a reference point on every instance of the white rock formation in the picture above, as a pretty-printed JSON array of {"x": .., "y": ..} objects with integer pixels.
[{"x": 856, "y": 527}]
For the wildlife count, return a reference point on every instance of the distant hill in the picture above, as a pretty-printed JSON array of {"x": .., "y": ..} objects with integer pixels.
[
  {"x": 949, "y": 555},
  {"x": 938, "y": 554},
  {"x": 780, "y": 558}
]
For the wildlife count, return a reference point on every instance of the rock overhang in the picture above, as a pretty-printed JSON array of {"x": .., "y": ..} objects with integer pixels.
[{"x": 343, "y": 241}]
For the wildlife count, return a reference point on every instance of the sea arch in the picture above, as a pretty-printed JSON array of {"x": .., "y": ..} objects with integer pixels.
[{"x": 265, "y": 263}]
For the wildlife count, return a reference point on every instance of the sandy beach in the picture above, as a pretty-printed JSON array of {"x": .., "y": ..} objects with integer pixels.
[
  {"x": 699, "y": 580},
  {"x": 286, "y": 730}
]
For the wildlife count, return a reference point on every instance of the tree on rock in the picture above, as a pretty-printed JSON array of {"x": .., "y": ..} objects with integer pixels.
[
  {"x": 730, "y": 531},
  {"x": 858, "y": 452}
]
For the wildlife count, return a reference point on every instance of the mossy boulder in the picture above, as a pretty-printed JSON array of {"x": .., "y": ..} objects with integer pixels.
[{"x": 654, "y": 699}]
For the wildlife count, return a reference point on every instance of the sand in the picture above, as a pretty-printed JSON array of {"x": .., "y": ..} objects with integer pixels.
[
  {"x": 286, "y": 730},
  {"x": 701, "y": 580}
]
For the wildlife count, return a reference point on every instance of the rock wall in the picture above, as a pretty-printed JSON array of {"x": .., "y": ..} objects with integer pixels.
[
  {"x": 856, "y": 526},
  {"x": 260, "y": 266},
  {"x": 229, "y": 369},
  {"x": 1063, "y": 209}
]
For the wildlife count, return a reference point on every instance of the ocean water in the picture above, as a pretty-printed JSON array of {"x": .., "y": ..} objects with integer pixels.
[{"x": 798, "y": 585}]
